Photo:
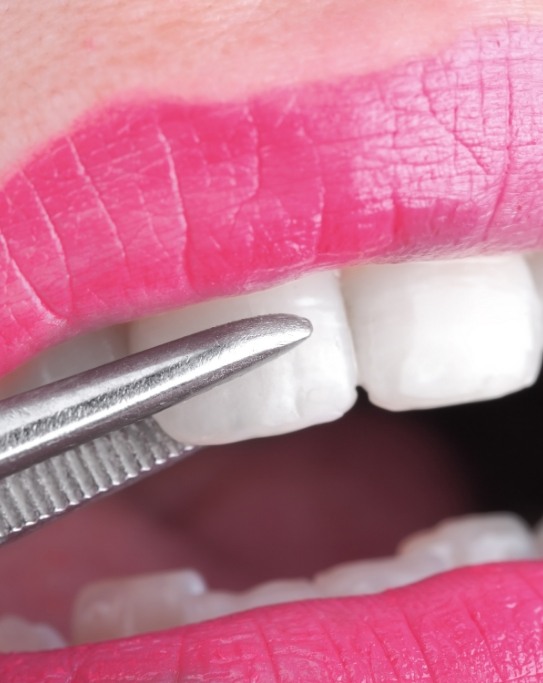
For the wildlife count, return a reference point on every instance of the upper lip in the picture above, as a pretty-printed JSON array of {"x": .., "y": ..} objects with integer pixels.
[{"x": 154, "y": 204}]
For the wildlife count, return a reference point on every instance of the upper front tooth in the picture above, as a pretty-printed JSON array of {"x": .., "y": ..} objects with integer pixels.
[
  {"x": 75, "y": 355},
  {"x": 314, "y": 383},
  {"x": 440, "y": 333}
]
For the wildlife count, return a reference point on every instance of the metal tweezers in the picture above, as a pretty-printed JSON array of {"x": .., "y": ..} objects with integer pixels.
[{"x": 77, "y": 439}]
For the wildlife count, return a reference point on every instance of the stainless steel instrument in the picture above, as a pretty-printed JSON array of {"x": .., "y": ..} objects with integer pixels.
[{"x": 77, "y": 439}]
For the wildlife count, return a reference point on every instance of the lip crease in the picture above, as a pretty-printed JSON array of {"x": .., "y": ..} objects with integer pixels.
[
  {"x": 154, "y": 204},
  {"x": 151, "y": 204},
  {"x": 474, "y": 625}
]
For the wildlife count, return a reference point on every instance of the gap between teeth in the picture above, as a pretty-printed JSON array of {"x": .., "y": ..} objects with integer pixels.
[{"x": 415, "y": 335}]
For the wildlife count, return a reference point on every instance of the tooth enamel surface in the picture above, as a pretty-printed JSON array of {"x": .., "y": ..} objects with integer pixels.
[
  {"x": 443, "y": 333},
  {"x": 124, "y": 607},
  {"x": 535, "y": 262},
  {"x": 274, "y": 592},
  {"x": 476, "y": 539},
  {"x": 19, "y": 635},
  {"x": 373, "y": 576},
  {"x": 75, "y": 355},
  {"x": 314, "y": 383}
]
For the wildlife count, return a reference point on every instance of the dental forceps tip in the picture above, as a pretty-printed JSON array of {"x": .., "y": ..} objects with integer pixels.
[{"x": 80, "y": 437}]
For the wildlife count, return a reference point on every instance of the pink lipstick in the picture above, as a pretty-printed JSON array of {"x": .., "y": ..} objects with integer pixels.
[{"x": 147, "y": 205}]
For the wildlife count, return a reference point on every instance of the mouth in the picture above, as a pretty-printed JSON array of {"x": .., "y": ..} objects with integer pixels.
[{"x": 394, "y": 210}]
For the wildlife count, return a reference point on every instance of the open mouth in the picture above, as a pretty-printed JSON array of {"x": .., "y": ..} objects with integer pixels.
[{"x": 396, "y": 211}]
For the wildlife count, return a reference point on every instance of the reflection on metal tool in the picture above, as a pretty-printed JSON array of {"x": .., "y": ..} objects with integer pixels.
[{"x": 75, "y": 440}]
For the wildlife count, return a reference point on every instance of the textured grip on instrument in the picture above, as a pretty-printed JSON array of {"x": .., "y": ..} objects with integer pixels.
[{"x": 46, "y": 490}]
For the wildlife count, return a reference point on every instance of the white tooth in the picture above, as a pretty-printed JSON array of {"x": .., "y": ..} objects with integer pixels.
[
  {"x": 72, "y": 356},
  {"x": 19, "y": 635},
  {"x": 276, "y": 592},
  {"x": 535, "y": 262},
  {"x": 210, "y": 605},
  {"x": 125, "y": 607},
  {"x": 442, "y": 333},
  {"x": 474, "y": 539},
  {"x": 373, "y": 576},
  {"x": 314, "y": 383},
  {"x": 455, "y": 543},
  {"x": 220, "y": 603}
]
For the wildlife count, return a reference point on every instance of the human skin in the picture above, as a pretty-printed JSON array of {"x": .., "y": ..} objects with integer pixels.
[{"x": 62, "y": 60}]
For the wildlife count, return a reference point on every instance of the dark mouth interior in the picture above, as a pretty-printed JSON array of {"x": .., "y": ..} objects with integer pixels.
[
  {"x": 291, "y": 505},
  {"x": 499, "y": 445}
]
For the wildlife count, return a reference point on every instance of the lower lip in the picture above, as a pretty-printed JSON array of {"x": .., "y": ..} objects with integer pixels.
[
  {"x": 477, "y": 624},
  {"x": 150, "y": 205}
]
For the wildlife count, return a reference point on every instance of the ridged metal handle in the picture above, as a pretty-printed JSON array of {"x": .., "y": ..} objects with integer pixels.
[{"x": 44, "y": 491}]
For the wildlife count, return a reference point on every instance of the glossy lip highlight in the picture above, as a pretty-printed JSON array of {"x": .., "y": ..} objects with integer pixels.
[
  {"x": 476, "y": 624},
  {"x": 154, "y": 204}
]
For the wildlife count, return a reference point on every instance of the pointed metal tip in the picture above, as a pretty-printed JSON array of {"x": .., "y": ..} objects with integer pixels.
[
  {"x": 46, "y": 421},
  {"x": 300, "y": 327},
  {"x": 272, "y": 334},
  {"x": 293, "y": 328}
]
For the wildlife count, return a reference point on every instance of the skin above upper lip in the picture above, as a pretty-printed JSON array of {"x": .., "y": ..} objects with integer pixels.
[
  {"x": 478, "y": 624},
  {"x": 426, "y": 158},
  {"x": 152, "y": 204}
]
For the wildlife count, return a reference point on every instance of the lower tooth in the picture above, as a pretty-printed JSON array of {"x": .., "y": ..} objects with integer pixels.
[
  {"x": 439, "y": 333},
  {"x": 125, "y": 607},
  {"x": 312, "y": 384},
  {"x": 374, "y": 576},
  {"x": 476, "y": 539},
  {"x": 19, "y": 635},
  {"x": 274, "y": 592}
]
